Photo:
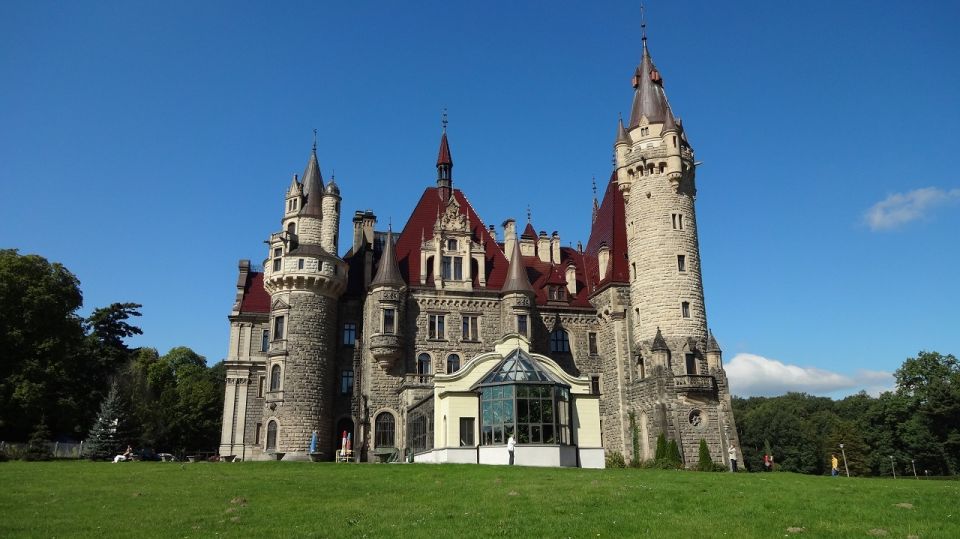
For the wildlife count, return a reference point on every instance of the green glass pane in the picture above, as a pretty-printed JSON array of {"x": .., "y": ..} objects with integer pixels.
[
  {"x": 547, "y": 408},
  {"x": 523, "y": 434},
  {"x": 508, "y": 392}
]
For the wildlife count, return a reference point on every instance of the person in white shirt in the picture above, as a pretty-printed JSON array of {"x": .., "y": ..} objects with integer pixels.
[
  {"x": 511, "y": 445},
  {"x": 732, "y": 452}
]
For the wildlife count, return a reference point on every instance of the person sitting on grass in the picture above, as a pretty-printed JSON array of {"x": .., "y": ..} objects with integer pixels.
[{"x": 127, "y": 455}]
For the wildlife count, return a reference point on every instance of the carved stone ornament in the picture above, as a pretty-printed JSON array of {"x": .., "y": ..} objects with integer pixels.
[
  {"x": 696, "y": 418},
  {"x": 452, "y": 220}
]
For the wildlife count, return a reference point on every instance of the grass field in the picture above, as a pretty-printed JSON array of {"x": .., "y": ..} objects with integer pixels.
[{"x": 271, "y": 499}]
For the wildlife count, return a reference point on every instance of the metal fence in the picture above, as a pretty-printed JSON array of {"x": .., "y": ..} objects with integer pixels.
[{"x": 59, "y": 450}]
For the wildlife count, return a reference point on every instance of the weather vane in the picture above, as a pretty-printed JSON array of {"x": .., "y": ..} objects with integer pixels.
[
  {"x": 314, "y": 140},
  {"x": 594, "y": 187},
  {"x": 528, "y": 213},
  {"x": 443, "y": 119}
]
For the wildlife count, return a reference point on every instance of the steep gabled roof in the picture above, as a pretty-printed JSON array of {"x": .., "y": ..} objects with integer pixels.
[{"x": 610, "y": 229}]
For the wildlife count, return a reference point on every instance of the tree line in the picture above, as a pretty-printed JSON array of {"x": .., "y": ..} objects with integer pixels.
[
  {"x": 916, "y": 426},
  {"x": 59, "y": 368}
]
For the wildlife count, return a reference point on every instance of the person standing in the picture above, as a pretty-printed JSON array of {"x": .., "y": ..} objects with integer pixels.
[
  {"x": 511, "y": 445},
  {"x": 732, "y": 452},
  {"x": 834, "y": 465}
]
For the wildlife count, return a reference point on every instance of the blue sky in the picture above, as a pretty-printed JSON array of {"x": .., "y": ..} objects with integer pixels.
[{"x": 147, "y": 147}]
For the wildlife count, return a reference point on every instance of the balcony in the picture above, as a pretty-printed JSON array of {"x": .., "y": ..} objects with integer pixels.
[
  {"x": 689, "y": 383},
  {"x": 386, "y": 349}
]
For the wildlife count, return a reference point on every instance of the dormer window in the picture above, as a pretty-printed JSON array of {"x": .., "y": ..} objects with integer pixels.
[
  {"x": 644, "y": 131},
  {"x": 451, "y": 267},
  {"x": 451, "y": 245},
  {"x": 558, "y": 293}
]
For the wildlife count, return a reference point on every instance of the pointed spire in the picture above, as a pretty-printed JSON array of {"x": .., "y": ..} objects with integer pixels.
[
  {"x": 622, "y": 136},
  {"x": 669, "y": 123},
  {"x": 596, "y": 203},
  {"x": 388, "y": 272},
  {"x": 517, "y": 280},
  {"x": 312, "y": 186},
  {"x": 649, "y": 99},
  {"x": 659, "y": 343},
  {"x": 712, "y": 345},
  {"x": 444, "y": 163}
]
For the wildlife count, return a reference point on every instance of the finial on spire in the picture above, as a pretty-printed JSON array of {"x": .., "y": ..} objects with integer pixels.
[
  {"x": 443, "y": 119},
  {"x": 528, "y": 213},
  {"x": 643, "y": 24},
  {"x": 594, "y": 187},
  {"x": 314, "y": 141}
]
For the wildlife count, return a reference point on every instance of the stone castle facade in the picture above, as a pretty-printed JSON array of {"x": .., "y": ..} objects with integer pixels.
[{"x": 441, "y": 342}]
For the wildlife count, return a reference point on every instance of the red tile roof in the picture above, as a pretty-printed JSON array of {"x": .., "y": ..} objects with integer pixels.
[
  {"x": 609, "y": 229},
  {"x": 529, "y": 232},
  {"x": 255, "y": 298},
  {"x": 443, "y": 157}
]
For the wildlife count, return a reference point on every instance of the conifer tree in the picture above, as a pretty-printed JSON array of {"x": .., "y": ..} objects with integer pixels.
[
  {"x": 103, "y": 440},
  {"x": 38, "y": 447},
  {"x": 673, "y": 454},
  {"x": 706, "y": 461},
  {"x": 661, "y": 453}
]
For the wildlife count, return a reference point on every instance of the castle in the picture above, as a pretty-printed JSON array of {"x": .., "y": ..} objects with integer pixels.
[{"x": 439, "y": 343}]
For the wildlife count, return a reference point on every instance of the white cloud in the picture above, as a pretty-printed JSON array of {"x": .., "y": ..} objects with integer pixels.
[
  {"x": 901, "y": 208},
  {"x": 753, "y": 375}
]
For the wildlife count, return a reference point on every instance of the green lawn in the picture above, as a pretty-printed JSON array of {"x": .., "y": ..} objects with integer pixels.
[{"x": 279, "y": 499}]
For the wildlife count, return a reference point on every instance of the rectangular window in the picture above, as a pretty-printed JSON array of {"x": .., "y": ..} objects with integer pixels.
[
  {"x": 677, "y": 221},
  {"x": 258, "y": 433},
  {"x": 299, "y": 263},
  {"x": 389, "y": 321},
  {"x": 457, "y": 268},
  {"x": 522, "y": 324},
  {"x": 260, "y": 383},
  {"x": 681, "y": 263},
  {"x": 446, "y": 263},
  {"x": 278, "y": 328},
  {"x": 592, "y": 342},
  {"x": 595, "y": 384},
  {"x": 467, "y": 426},
  {"x": 691, "y": 364},
  {"x": 349, "y": 333},
  {"x": 471, "y": 328},
  {"x": 685, "y": 309},
  {"x": 265, "y": 340},
  {"x": 276, "y": 264},
  {"x": 436, "y": 329},
  {"x": 346, "y": 381}
]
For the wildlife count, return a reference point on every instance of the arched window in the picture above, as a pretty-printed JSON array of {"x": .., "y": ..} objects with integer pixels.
[
  {"x": 559, "y": 341},
  {"x": 453, "y": 363},
  {"x": 292, "y": 228},
  {"x": 384, "y": 428},
  {"x": 423, "y": 366},
  {"x": 275, "y": 378},
  {"x": 271, "y": 435}
]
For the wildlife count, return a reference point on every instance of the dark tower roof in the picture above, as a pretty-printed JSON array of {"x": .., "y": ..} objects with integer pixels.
[
  {"x": 649, "y": 99},
  {"x": 712, "y": 345},
  {"x": 444, "y": 165},
  {"x": 659, "y": 344},
  {"x": 312, "y": 187},
  {"x": 517, "y": 280},
  {"x": 622, "y": 136},
  {"x": 388, "y": 273}
]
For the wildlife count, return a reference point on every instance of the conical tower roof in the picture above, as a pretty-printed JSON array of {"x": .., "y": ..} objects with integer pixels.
[
  {"x": 669, "y": 123},
  {"x": 659, "y": 343},
  {"x": 312, "y": 187},
  {"x": 517, "y": 280},
  {"x": 443, "y": 156},
  {"x": 622, "y": 136},
  {"x": 712, "y": 344},
  {"x": 388, "y": 272},
  {"x": 649, "y": 99}
]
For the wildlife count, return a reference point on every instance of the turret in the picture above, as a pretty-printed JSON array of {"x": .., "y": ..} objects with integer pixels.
[
  {"x": 714, "y": 354},
  {"x": 385, "y": 316},
  {"x": 660, "y": 350},
  {"x": 309, "y": 228},
  {"x": 330, "y": 228},
  {"x": 622, "y": 144}
]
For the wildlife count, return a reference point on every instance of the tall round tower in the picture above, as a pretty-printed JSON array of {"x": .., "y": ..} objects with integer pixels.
[
  {"x": 305, "y": 281},
  {"x": 655, "y": 172}
]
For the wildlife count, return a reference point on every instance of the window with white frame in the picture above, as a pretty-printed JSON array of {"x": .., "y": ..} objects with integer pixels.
[
  {"x": 436, "y": 327},
  {"x": 471, "y": 327}
]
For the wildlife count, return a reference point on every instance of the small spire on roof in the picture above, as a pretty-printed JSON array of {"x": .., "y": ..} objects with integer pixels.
[
  {"x": 517, "y": 280},
  {"x": 622, "y": 136},
  {"x": 643, "y": 25},
  {"x": 388, "y": 272},
  {"x": 659, "y": 343},
  {"x": 712, "y": 344}
]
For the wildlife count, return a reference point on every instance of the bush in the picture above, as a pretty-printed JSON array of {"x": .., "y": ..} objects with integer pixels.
[
  {"x": 661, "y": 452},
  {"x": 705, "y": 463},
  {"x": 38, "y": 447},
  {"x": 673, "y": 454},
  {"x": 615, "y": 460}
]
